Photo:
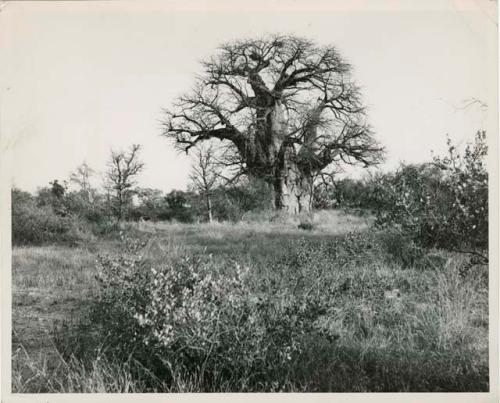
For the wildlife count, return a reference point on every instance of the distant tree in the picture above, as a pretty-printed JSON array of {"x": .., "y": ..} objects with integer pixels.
[
  {"x": 288, "y": 109},
  {"x": 81, "y": 177},
  {"x": 179, "y": 205},
  {"x": 123, "y": 168},
  {"x": 151, "y": 204},
  {"x": 204, "y": 175},
  {"x": 53, "y": 196},
  {"x": 57, "y": 189}
]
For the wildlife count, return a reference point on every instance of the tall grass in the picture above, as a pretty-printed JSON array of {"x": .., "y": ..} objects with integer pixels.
[{"x": 391, "y": 323}]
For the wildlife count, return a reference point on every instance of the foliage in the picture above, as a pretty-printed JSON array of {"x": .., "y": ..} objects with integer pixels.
[
  {"x": 347, "y": 193},
  {"x": 179, "y": 206},
  {"x": 57, "y": 189},
  {"x": 233, "y": 202},
  {"x": 151, "y": 205},
  {"x": 443, "y": 204},
  {"x": 65, "y": 218},
  {"x": 34, "y": 224},
  {"x": 200, "y": 317},
  {"x": 369, "y": 323},
  {"x": 52, "y": 197}
]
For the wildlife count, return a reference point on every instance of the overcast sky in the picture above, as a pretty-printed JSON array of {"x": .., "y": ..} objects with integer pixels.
[{"x": 80, "y": 78}]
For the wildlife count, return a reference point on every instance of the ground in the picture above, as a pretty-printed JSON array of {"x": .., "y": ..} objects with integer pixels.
[{"x": 403, "y": 321}]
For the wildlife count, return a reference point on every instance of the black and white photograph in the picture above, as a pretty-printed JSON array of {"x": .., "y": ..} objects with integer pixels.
[{"x": 226, "y": 197}]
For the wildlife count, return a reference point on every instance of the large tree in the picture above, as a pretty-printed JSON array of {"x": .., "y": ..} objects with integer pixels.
[{"x": 287, "y": 108}]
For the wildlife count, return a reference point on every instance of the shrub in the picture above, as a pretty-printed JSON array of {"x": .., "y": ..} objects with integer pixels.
[
  {"x": 358, "y": 195},
  {"x": 179, "y": 207},
  {"x": 36, "y": 225},
  {"x": 233, "y": 202},
  {"x": 206, "y": 321},
  {"x": 320, "y": 315},
  {"x": 443, "y": 204}
]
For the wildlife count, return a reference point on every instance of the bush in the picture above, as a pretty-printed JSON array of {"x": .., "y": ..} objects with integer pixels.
[
  {"x": 443, "y": 204},
  {"x": 205, "y": 321},
  {"x": 36, "y": 225},
  {"x": 317, "y": 315},
  {"x": 233, "y": 202},
  {"x": 358, "y": 195},
  {"x": 179, "y": 207},
  {"x": 70, "y": 219}
]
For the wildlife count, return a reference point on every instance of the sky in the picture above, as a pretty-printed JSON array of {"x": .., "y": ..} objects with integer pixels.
[{"x": 80, "y": 78}]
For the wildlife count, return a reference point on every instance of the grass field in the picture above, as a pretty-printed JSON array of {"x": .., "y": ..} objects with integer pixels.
[{"x": 404, "y": 320}]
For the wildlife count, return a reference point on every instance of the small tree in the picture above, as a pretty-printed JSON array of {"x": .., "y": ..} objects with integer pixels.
[
  {"x": 57, "y": 189},
  {"x": 53, "y": 196},
  {"x": 82, "y": 177},
  {"x": 204, "y": 176},
  {"x": 123, "y": 167}
]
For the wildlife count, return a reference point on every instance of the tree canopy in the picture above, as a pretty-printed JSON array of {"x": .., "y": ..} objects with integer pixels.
[{"x": 280, "y": 104}]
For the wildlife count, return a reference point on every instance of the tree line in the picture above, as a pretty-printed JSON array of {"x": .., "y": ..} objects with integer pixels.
[{"x": 70, "y": 209}]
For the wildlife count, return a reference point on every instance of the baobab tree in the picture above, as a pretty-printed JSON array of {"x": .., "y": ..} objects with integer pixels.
[
  {"x": 123, "y": 167},
  {"x": 287, "y": 107}
]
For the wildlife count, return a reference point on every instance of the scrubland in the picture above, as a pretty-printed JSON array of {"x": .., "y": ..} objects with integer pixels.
[{"x": 259, "y": 305}]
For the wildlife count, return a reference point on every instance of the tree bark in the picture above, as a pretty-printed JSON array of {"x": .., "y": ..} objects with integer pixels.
[
  {"x": 209, "y": 207},
  {"x": 271, "y": 158},
  {"x": 293, "y": 189},
  {"x": 120, "y": 204}
]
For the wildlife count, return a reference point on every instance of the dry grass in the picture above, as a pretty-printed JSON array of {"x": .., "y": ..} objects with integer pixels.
[{"x": 417, "y": 327}]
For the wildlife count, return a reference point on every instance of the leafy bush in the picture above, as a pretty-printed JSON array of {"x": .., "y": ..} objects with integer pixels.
[
  {"x": 443, "y": 204},
  {"x": 68, "y": 219},
  {"x": 179, "y": 207},
  {"x": 36, "y": 225},
  {"x": 205, "y": 319},
  {"x": 359, "y": 195},
  {"x": 319, "y": 314},
  {"x": 233, "y": 202}
]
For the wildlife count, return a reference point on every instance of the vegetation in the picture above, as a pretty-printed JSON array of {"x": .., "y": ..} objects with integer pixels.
[
  {"x": 236, "y": 284},
  {"x": 204, "y": 176},
  {"x": 442, "y": 203},
  {"x": 286, "y": 110},
  {"x": 394, "y": 299},
  {"x": 248, "y": 307},
  {"x": 122, "y": 171}
]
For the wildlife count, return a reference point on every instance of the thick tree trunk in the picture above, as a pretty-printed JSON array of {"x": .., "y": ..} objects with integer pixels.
[
  {"x": 293, "y": 189},
  {"x": 269, "y": 158}
]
